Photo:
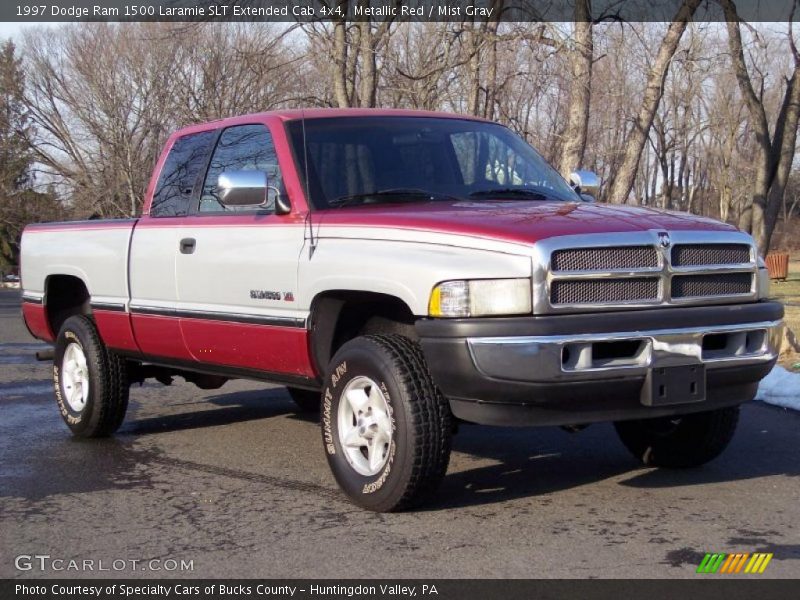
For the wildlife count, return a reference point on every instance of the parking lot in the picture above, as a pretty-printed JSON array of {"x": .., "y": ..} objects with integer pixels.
[{"x": 235, "y": 482}]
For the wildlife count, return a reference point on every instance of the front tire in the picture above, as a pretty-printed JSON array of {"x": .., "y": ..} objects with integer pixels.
[
  {"x": 91, "y": 382},
  {"x": 680, "y": 442},
  {"x": 386, "y": 428}
]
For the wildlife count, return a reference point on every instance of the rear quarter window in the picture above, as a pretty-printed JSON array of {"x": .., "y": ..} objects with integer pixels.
[{"x": 185, "y": 161}]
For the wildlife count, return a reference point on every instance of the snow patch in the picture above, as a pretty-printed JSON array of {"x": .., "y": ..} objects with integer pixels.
[{"x": 781, "y": 388}]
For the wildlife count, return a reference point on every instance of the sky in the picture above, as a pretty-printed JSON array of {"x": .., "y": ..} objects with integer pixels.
[{"x": 14, "y": 30}]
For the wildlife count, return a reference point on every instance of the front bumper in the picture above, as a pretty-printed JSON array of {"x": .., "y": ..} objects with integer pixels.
[{"x": 572, "y": 369}]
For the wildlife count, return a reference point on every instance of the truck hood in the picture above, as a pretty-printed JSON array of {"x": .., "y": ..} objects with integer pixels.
[{"x": 515, "y": 221}]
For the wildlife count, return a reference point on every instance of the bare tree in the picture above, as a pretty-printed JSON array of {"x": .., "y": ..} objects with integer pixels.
[
  {"x": 354, "y": 49},
  {"x": 624, "y": 178},
  {"x": 581, "y": 56},
  {"x": 774, "y": 153},
  {"x": 725, "y": 143},
  {"x": 20, "y": 204},
  {"x": 669, "y": 121},
  {"x": 104, "y": 98}
]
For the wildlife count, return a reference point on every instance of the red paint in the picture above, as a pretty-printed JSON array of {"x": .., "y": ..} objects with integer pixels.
[
  {"x": 294, "y": 114},
  {"x": 199, "y": 221},
  {"x": 260, "y": 347},
  {"x": 35, "y": 317},
  {"x": 159, "y": 336},
  {"x": 115, "y": 329},
  {"x": 515, "y": 221}
]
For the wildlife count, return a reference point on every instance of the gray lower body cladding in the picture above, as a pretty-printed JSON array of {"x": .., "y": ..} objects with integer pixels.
[{"x": 584, "y": 368}]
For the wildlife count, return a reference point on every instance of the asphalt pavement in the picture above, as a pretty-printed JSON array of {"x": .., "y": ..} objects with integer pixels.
[{"x": 234, "y": 483}]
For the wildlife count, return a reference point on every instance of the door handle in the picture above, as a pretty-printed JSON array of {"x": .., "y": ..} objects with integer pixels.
[{"x": 188, "y": 245}]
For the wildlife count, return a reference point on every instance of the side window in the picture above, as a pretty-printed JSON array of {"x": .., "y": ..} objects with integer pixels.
[
  {"x": 184, "y": 162},
  {"x": 242, "y": 148}
]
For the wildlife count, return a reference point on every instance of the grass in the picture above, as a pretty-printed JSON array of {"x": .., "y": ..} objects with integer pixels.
[{"x": 788, "y": 292}]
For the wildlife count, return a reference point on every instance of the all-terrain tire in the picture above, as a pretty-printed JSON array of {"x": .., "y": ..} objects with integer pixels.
[
  {"x": 417, "y": 456},
  {"x": 680, "y": 442},
  {"x": 100, "y": 411},
  {"x": 306, "y": 400}
]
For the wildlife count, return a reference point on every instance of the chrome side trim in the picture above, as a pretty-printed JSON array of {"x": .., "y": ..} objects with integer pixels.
[
  {"x": 543, "y": 276},
  {"x": 108, "y": 306},
  {"x": 218, "y": 316},
  {"x": 32, "y": 297},
  {"x": 542, "y": 357}
]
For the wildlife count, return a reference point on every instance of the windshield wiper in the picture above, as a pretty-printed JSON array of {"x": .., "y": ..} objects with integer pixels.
[
  {"x": 514, "y": 191},
  {"x": 403, "y": 194}
]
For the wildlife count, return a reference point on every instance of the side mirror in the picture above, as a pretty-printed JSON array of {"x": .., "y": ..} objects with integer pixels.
[
  {"x": 248, "y": 188},
  {"x": 586, "y": 184},
  {"x": 242, "y": 188}
]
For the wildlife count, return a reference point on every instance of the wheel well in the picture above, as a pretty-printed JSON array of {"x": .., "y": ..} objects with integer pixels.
[
  {"x": 65, "y": 296},
  {"x": 339, "y": 316}
]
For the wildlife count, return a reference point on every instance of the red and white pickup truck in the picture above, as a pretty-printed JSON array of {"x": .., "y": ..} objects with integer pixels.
[{"x": 400, "y": 271}]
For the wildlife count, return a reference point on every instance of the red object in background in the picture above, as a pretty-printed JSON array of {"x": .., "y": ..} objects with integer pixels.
[{"x": 778, "y": 265}]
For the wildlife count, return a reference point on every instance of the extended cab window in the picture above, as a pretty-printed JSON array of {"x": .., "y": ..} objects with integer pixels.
[
  {"x": 242, "y": 148},
  {"x": 186, "y": 159}
]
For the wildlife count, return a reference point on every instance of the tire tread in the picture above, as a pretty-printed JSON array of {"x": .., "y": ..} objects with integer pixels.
[
  {"x": 110, "y": 391},
  {"x": 429, "y": 420},
  {"x": 698, "y": 439}
]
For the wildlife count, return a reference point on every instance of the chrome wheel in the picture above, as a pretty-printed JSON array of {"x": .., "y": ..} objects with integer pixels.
[
  {"x": 75, "y": 377},
  {"x": 365, "y": 427}
]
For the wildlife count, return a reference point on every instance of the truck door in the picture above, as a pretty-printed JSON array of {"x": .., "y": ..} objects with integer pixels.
[
  {"x": 155, "y": 243},
  {"x": 237, "y": 271}
]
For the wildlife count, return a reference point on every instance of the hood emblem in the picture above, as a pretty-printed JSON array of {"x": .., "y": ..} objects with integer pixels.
[{"x": 663, "y": 239}]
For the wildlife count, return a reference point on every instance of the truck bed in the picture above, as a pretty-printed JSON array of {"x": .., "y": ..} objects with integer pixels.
[{"x": 94, "y": 251}]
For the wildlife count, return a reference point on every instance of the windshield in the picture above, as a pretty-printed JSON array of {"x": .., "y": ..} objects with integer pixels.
[{"x": 372, "y": 160}]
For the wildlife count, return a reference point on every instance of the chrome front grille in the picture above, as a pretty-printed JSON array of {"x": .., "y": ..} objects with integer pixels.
[
  {"x": 643, "y": 269},
  {"x": 693, "y": 255},
  {"x": 604, "y": 259},
  {"x": 720, "y": 284},
  {"x": 603, "y": 291}
]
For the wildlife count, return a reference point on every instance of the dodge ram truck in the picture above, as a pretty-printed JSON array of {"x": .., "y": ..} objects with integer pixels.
[{"x": 401, "y": 272}]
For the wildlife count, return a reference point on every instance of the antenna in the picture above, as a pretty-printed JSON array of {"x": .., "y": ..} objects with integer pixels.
[{"x": 312, "y": 240}]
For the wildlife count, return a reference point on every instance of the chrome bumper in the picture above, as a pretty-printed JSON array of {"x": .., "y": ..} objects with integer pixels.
[{"x": 579, "y": 357}]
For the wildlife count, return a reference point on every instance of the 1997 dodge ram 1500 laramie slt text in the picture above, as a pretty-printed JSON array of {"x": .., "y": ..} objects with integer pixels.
[{"x": 399, "y": 271}]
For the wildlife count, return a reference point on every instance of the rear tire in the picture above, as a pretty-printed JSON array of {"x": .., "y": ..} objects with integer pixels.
[
  {"x": 91, "y": 382},
  {"x": 386, "y": 428},
  {"x": 680, "y": 442},
  {"x": 306, "y": 400}
]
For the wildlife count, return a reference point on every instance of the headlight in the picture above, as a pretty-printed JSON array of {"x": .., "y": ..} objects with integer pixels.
[{"x": 481, "y": 298}]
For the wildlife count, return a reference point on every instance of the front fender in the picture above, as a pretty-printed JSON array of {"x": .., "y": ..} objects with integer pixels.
[{"x": 405, "y": 270}]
